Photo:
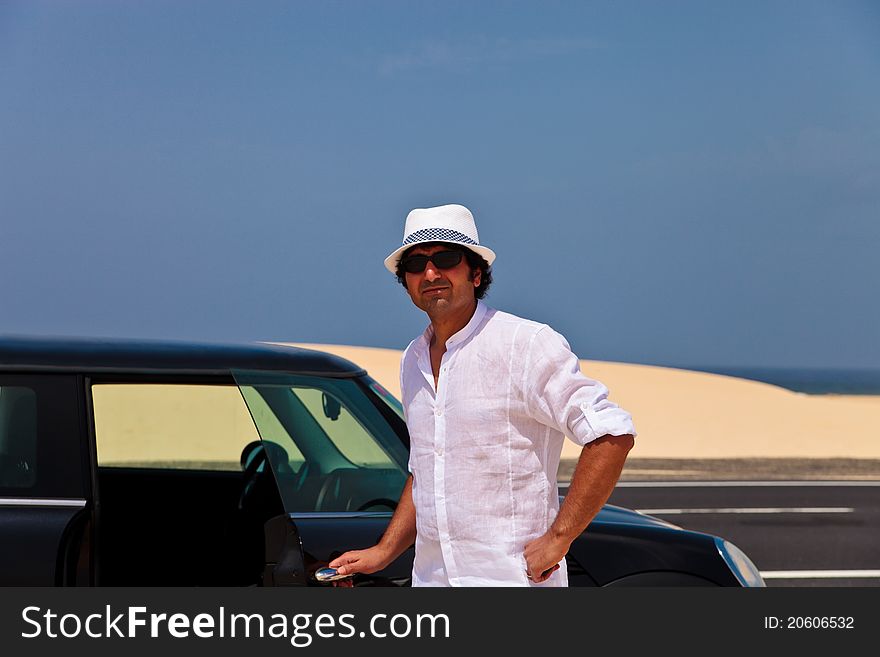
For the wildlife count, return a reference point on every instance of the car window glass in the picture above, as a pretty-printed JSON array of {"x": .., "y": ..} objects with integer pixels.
[
  {"x": 341, "y": 427},
  {"x": 354, "y": 460},
  {"x": 177, "y": 426},
  {"x": 18, "y": 437},
  {"x": 387, "y": 398}
]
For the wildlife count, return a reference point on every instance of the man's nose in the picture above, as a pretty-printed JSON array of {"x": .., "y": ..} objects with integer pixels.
[{"x": 432, "y": 273}]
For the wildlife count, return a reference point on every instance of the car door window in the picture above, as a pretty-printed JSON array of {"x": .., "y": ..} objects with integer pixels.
[
  {"x": 354, "y": 460},
  {"x": 174, "y": 426},
  {"x": 180, "y": 502},
  {"x": 18, "y": 437},
  {"x": 42, "y": 451}
]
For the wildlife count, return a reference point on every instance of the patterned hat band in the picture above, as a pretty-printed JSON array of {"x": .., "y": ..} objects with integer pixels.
[{"x": 438, "y": 235}]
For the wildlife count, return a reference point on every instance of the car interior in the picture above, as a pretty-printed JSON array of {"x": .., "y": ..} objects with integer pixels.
[
  {"x": 192, "y": 527},
  {"x": 199, "y": 528}
]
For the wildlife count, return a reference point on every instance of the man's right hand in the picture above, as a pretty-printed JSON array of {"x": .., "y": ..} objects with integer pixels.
[
  {"x": 400, "y": 534},
  {"x": 360, "y": 561}
]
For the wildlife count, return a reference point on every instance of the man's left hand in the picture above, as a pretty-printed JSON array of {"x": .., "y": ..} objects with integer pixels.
[{"x": 543, "y": 556}]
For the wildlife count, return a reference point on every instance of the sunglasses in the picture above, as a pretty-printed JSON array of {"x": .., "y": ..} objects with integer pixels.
[{"x": 415, "y": 264}]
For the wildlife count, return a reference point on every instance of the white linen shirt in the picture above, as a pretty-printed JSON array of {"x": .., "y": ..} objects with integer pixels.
[{"x": 485, "y": 445}]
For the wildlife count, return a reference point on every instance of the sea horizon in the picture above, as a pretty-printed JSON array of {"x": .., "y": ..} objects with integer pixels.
[{"x": 810, "y": 380}]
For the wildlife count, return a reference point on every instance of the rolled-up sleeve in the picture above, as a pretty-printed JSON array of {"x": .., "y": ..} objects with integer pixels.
[{"x": 561, "y": 397}]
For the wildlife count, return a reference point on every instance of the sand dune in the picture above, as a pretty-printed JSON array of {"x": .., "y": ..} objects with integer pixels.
[{"x": 685, "y": 414}]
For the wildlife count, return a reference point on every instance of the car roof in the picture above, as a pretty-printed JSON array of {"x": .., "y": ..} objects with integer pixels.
[{"x": 66, "y": 354}]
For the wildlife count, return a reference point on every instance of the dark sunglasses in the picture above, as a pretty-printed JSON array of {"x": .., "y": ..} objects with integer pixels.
[{"x": 415, "y": 264}]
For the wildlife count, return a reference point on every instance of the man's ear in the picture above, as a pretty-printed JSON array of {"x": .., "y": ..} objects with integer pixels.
[{"x": 476, "y": 276}]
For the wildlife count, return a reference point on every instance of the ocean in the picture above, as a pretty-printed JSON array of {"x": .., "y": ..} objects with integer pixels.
[{"x": 811, "y": 381}]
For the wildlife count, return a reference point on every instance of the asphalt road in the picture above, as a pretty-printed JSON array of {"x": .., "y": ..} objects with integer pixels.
[
  {"x": 810, "y": 534},
  {"x": 823, "y": 531}
]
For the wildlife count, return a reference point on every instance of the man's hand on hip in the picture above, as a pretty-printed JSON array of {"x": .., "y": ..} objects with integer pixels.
[{"x": 543, "y": 556}]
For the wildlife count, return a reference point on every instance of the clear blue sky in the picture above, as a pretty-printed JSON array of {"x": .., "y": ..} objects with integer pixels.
[{"x": 680, "y": 183}]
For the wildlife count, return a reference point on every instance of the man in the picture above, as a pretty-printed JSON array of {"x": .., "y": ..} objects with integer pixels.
[{"x": 488, "y": 399}]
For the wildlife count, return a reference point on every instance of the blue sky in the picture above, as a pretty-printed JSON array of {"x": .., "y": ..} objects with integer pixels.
[{"x": 680, "y": 183}]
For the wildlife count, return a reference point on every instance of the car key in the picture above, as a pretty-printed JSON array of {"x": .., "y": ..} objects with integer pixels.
[{"x": 329, "y": 575}]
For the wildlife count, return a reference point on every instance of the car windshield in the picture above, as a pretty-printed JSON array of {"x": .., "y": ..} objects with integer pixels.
[
  {"x": 328, "y": 445},
  {"x": 389, "y": 399}
]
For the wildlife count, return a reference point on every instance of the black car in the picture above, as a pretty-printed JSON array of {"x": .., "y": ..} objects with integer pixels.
[{"x": 176, "y": 464}]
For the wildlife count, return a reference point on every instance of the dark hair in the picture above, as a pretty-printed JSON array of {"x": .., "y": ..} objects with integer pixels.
[{"x": 475, "y": 261}]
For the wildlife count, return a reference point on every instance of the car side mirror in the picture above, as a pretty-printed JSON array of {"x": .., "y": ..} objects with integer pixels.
[{"x": 332, "y": 407}]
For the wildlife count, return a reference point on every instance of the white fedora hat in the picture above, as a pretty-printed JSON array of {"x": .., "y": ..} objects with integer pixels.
[{"x": 445, "y": 223}]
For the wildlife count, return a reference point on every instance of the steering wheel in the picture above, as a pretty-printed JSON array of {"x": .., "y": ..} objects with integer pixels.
[
  {"x": 254, "y": 455},
  {"x": 328, "y": 497},
  {"x": 333, "y": 479}
]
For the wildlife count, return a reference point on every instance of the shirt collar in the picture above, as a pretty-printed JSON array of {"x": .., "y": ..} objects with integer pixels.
[{"x": 464, "y": 333}]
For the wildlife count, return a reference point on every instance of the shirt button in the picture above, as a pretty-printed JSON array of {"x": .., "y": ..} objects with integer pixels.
[
  {"x": 439, "y": 451},
  {"x": 438, "y": 412}
]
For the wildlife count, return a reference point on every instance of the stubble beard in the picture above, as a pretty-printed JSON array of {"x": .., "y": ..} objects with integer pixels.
[{"x": 435, "y": 306}]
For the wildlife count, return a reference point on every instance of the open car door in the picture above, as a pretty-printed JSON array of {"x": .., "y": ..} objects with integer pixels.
[{"x": 338, "y": 463}]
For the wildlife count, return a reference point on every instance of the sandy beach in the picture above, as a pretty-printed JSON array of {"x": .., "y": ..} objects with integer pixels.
[{"x": 681, "y": 414}]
